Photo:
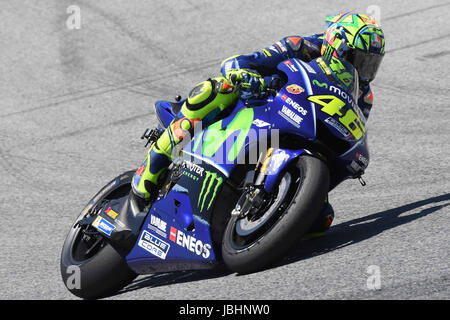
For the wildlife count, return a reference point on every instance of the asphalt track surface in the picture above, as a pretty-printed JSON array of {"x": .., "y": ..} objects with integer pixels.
[{"x": 73, "y": 104}]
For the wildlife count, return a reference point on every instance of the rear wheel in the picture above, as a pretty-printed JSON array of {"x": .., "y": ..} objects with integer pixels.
[
  {"x": 90, "y": 266},
  {"x": 254, "y": 243}
]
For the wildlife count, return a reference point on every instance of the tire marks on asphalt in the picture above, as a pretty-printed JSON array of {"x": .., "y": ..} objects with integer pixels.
[
  {"x": 435, "y": 55},
  {"x": 120, "y": 26},
  {"x": 19, "y": 174},
  {"x": 111, "y": 88},
  {"x": 439, "y": 38},
  {"x": 420, "y": 11},
  {"x": 71, "y": 134}
]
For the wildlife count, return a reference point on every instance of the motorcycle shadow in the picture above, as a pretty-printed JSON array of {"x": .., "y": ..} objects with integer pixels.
[
  {"x": 175, "y": 277},
  {"x": 360, "y": 229},
  {"x": 339, "y": 236}
]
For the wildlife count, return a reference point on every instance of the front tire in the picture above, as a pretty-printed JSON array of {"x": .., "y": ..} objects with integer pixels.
[
  {"x": 94, "y": 269},
  {"x": 250, "y": 246}
]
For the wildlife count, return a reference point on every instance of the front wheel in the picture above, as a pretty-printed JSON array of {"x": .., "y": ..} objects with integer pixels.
[
  {"x": 90, "y": 266},
  {"x": 251, "y": 244}
]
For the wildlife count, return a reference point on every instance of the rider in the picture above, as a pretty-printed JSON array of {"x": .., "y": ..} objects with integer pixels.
[{"x": 353, "y": 37}]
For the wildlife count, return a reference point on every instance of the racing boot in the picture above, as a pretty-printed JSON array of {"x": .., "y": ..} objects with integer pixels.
[
  {"x": 159, "y": 157},
  {"x": 322, "y": 222}
]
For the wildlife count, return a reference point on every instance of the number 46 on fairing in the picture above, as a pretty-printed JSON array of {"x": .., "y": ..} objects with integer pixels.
[{"x": 332, "y": 105}]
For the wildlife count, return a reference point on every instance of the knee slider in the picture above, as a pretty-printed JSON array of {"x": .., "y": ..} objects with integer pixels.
[
  {"x": 201, "y": 95},
  {"x": 207, "y": 96}
]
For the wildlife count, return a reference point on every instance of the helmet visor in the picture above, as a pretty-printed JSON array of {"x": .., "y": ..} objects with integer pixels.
[{"x": 366, "y": 63}]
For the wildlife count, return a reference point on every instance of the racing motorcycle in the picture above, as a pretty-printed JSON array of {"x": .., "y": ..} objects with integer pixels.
[{"x": 233, "y": 197}]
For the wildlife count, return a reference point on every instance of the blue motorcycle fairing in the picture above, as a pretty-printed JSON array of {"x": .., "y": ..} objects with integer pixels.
[
  {"x": 176, "y": 233},
  {"x": 352, "y": 163},
  {"x": 165, "y": 112},
  {"x": 279, "y": 159}
]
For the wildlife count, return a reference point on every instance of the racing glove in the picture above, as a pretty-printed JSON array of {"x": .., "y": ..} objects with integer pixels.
[{"x": 249, "y": 82}]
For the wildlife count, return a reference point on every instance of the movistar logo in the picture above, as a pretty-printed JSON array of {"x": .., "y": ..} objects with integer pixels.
[
  {"x": 210, "y": 184},
  {"x": 320, "y": 84}
]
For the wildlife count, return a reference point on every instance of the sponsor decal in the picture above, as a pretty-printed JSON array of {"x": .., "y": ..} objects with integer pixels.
[
  {"x": 110, "y": 212},
  {"x": 154, "y": 245},
  {"x": 320, "y": 84},
  {"x": 211, "y": 184},
  {"x": 158, "y": 225},
  {"x": 173, "y": 234},
  {"x": 323, "y": 66},
  {"x": 276, "y": 160},
  {"x": 190, "y": 243},
  {"x": 362, "y": 159},
  {"x": 294, "y": 104},
  {"x": 290, "y": 66},
  {"x": 338, "y": 126},
  {"x": 290, "y": 116},
  {"x": 157, "y": 222},
  {"x": 192, "y": 167},
  {"x": 356, "y": 167},
  {"x": 103, "y": 225},
  {"x": 280, "y": 46},
  {"x": 191, "y": 176},
  {"x": 274, "y": 49},
  {"x": 266, "y": 53},
  {"x": 294, "y": 89},
  {"x": 260, "y": 123}
]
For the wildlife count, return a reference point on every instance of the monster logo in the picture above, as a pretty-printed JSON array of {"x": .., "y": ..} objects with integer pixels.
[{"x": 210, "y": 184}]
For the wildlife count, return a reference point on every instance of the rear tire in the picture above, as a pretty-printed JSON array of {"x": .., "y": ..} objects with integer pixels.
[
  {"x": 104, "y": 271},
  {"x": 245, "y": 251}
]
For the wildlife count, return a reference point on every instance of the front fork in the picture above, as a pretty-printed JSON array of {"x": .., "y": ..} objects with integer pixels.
[
  {"x": 258, "y": 184},
  {"x": 254, "y": 195}
]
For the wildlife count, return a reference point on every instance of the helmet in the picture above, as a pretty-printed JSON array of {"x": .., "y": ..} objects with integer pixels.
[{"x": 355, "y": 38}]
